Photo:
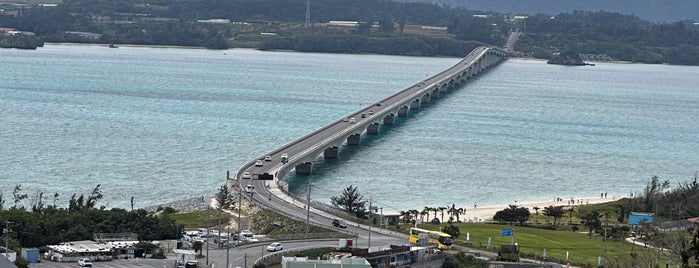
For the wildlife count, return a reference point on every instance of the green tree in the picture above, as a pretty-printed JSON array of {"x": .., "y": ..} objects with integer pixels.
[
  {"x": 513, "y": 213},
  {"x": 18, "y": 195},
  {"x": 352, "y": 201},
  {"x": 591, "y": 220},
  {"x": 452, "y": 230},
  {"x": 554, "y": 211},
  {"x": 694, "y": 248},
  {"x": 224, "y": 198}
]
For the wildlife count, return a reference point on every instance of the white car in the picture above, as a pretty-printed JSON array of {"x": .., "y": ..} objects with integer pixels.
[
  {"x": 246, "y": 233},
  {"x": 258, "y": 163},
  {"x": 84, "y": 262},
  {"x": 247, "y": 175},
  {"x": 275, "y": 247},
  {"x": 249, "y": 188},
  {"x": 268, "y": 158}
]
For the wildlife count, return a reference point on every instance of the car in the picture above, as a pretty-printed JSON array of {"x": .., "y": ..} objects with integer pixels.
[
  {"x": 268, "y": 158},
  {"x": 378, "y": 104},
  {"x": 247, "y": 175},
  {"x": 339, "y": 223},
  {"x": 249, "y": 188},
  {"x": 258, "y": 163},
  {"x": 353, "y": 120},
  {"x": 363, "y": 115},
  {"x": 191, "y": 264},
  {"x": 371, "y": 112},
  {"x": 284, "y": 158},
  {"x": 246, "y": 233},
  {"x": 275, "y": 247},
  {"x": 84, "y": 262}
]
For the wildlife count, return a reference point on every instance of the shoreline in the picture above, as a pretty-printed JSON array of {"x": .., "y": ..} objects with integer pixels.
[
  {"x": 471, "y": 214},
  {"x": 486, "y": 213}
]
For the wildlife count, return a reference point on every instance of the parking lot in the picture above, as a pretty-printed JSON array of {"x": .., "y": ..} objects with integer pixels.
[{"x": 133, "y": 263}]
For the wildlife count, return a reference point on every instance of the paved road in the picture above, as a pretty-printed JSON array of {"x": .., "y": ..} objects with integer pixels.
[{"x": 237, "y": 257}]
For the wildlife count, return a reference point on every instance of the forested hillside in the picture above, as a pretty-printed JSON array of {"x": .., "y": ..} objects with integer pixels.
[
  {"x": 652, "y": 10},
  {"x": 370, "y": 26}
]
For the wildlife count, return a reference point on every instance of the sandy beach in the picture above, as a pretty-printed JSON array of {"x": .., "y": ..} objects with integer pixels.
[{"x": 486, "y": 213}]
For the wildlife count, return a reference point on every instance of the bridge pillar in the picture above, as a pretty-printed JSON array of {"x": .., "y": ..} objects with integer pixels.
[
  {"x": 388, "y": 119},
  {"x": 373, "y": 128},
  {"x": 403, "y": 111},
  {"x": 426, "y": 98},
  {"x": 304, "y": 168},
  {"x": 331, "y": 152},
  {"x": 442, "y": 89},
  {"x": 435, "y": 93},
  {"x": 354, "y": 139},
  {"x": 415, "y": 104}
]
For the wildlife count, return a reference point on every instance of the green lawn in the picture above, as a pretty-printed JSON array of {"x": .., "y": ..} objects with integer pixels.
[
  {"x": 198, "y": 219},
  {"x": 533, "y": 241}
]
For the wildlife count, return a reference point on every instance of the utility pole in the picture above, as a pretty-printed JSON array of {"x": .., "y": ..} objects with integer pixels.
[
  {"x": 240, "y": 204},
  {"x": 208, "y": 231},
  {"x": 371, "y": 221},
  {"x": 606, "y": 221},
  {"x": 308, "y": 207},
  {"x": 228, "y": 248},
  {"x": 7, "y": 244}
]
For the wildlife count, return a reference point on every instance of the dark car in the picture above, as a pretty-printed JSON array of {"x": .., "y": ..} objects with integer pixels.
[{"x": 339, "y": 223}]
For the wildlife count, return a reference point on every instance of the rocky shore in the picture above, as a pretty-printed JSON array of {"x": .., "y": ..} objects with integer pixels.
[{"x": 186, "y": 205}]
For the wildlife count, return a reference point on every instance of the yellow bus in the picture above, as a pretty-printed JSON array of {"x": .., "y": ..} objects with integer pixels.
[{"x": 440, "y": 239}]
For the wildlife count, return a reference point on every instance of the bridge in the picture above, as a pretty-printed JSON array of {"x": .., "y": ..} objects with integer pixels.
[{"x": 327, "y": 140}]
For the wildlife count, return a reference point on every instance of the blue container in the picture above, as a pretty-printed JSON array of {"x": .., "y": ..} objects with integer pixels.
[{"x": 31, "y": 254}]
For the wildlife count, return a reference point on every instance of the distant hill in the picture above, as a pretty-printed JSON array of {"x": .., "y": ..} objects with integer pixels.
[{"x": 652, "y": 10}]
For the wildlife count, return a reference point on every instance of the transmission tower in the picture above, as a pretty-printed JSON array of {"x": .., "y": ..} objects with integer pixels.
[{"x": 308, "y": 14}]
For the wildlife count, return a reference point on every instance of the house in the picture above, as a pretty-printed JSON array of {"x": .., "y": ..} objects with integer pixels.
[
  {"x": 679, "y": 225},
  {"x": 5, "y": 263}
]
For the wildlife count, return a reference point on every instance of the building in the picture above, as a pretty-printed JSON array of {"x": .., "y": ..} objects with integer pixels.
[
  {"x": 680, "y": 225},
  {"x": 96, "y": 251},
  {"x": 31, "y": 255},
  {"x": 403, "y": 256},
  {"x": 5, "y": 263},
  {"x": 304, "y": 262}
]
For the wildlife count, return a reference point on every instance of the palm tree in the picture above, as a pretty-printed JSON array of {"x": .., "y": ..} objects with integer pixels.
[
  {"x": 451, "y": 212},
  {"x": 441, "y": 209},
  {"x": 405, "y": 215},
  {"x": 458, "y": 212},
  {"x": 425, "y": 212},
  {"x": 415, "y": 213},
  {"x": 537, "y": 213},
  {"x": 571, "y": 210}
]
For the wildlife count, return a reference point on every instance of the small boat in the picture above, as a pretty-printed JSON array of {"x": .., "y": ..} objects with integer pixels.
[{"x": 112, "y": 45}]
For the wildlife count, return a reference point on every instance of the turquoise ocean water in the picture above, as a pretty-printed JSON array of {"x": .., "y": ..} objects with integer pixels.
[{"x": 163, "y": 124}]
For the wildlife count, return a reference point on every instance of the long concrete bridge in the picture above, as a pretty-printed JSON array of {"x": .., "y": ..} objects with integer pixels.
[{"x": 327, "y": 140}]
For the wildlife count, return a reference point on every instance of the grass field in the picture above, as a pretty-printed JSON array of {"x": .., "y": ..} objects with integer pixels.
[{"x": 532, "y": 241}]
